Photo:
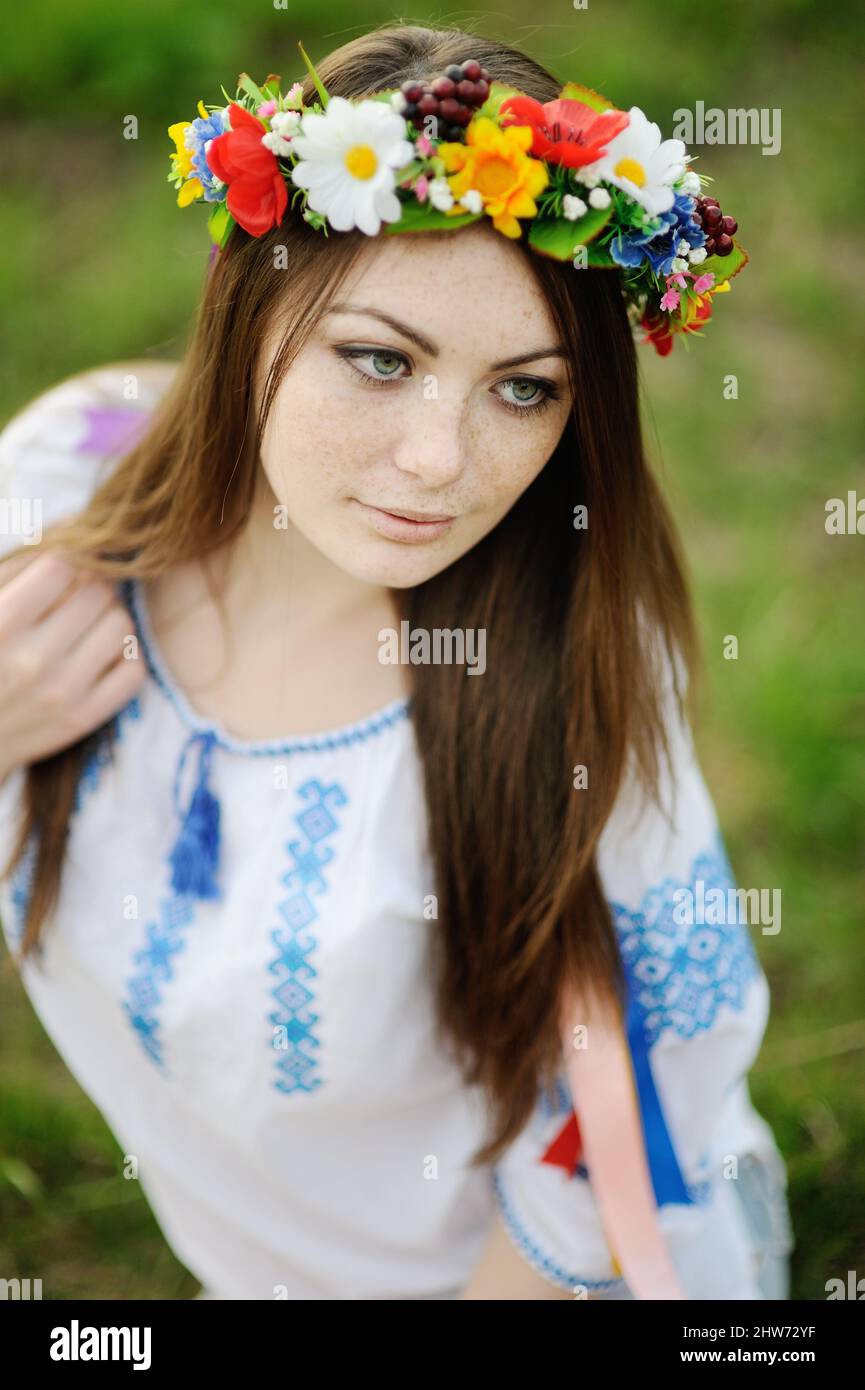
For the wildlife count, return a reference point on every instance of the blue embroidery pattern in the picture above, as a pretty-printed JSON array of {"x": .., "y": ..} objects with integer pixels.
[
  {"x": 680, "y": 975},
  {"x": 677, "y": 977},
  {"x": 292, "y": 965},
  {"x": 533, "y": 1253},
  {"x": 155, "y": 962}
]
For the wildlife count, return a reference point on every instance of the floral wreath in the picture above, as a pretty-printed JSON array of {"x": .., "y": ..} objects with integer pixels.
[{"x": 594, "y": 185}]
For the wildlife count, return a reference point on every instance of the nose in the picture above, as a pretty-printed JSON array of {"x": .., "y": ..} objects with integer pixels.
[{"x": 433, "y": 443}]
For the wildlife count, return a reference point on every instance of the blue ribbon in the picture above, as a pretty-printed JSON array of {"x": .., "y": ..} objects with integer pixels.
[
  {"x": 667, "y": 1179},
  {"x": 195, "y": 857}
]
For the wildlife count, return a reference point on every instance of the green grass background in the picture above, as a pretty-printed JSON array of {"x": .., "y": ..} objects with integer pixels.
[{"x": 99, "y": 265}]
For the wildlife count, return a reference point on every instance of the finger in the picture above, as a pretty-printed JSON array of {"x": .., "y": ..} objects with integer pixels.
[
  {"x": 34, "y": 590},
  {"x": 97, "y": 651},
  {"x": 112, "y": 691},
  {"x": 59, "y": 633}
]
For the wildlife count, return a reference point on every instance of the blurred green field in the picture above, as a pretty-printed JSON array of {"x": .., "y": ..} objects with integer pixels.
[{"x": 99, "y": 265}]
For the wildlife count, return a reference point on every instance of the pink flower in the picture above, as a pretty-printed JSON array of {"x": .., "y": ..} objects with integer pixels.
[
  {"x": 421, "y": 188},
  {"x": 670, "y": 300},
  {"x": 267, "y": 108},
  {"x": 704, "y": 282},
  {"x": 423, "y": 145}
]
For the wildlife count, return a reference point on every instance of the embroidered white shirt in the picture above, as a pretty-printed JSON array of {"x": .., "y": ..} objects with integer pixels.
[{"x": 270, "y": 1057}]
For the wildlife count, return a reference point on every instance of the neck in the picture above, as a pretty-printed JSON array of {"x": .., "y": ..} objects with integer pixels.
[{"x": 273, "y": 577}]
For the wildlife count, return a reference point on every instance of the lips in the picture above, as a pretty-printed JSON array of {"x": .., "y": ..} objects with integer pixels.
[
  {"x": 409, "y": 515},
  {"x": 409, "y": 526}
]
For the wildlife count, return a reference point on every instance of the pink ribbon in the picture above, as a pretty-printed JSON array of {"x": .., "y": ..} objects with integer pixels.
[{"x": 605, "y": 1097}]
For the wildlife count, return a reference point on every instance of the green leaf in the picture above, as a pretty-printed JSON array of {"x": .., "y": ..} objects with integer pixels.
[
  {"x": 498, "y": 93},
  {"x": 423, "y": 217},
  {"x": 723, "y": 267},
  {"x": 246, "y": 84},
  {"x": 383, "y": 96},
  {"x": 220, "y": 224},
  {"x": 559, "y": 238},
  {"x": 316, "y": 80},
  {"x": 572, "y": 91}
]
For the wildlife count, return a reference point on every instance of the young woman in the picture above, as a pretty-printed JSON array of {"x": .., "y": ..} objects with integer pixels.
[{"x": 348, "y": 803}]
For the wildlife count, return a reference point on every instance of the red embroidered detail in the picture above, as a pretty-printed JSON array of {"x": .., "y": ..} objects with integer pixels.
[{"x": 566, "y": 1150}]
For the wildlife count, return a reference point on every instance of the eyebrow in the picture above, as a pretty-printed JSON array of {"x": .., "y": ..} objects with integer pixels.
[{"x": 425, "y": 345}]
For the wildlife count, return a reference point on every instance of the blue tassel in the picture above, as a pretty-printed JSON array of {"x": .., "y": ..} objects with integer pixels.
[{"x": 195, "y": 857}]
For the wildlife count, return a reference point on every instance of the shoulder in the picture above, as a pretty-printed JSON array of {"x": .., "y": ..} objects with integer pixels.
[
  {"x": 62, "y": 444},
  {"x": 119, "y": 385}
]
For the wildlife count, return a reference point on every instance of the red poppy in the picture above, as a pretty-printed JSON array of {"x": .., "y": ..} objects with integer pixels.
[
  {"x": 257, "y": 196},
  {"x": 563, "y": 131}
]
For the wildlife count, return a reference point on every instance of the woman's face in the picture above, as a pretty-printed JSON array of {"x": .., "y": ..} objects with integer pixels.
[{"x": 434, "y": 388}]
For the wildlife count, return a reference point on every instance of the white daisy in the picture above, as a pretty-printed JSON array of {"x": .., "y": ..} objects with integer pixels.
[
  {"x": 642, "y": 165},
  {"x": 348, "y": 155}
]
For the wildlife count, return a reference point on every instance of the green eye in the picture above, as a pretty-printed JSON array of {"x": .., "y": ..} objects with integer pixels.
[
  {"x": 375, "y": 366},
  {"x": 386, "y": 363},
  {"x": 525, "y": 391}
]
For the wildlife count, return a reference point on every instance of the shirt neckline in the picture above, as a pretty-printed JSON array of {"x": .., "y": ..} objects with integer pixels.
[{"x": 357, "y": 732}]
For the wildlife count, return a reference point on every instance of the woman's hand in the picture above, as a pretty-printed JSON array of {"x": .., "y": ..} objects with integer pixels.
[{"x": 63, "y": 671}]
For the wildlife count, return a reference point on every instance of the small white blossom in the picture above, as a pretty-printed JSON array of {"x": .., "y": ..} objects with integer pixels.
[
  {"x": 285, "y": 123},
  {"x": 398, "y": 102},
  {"x": 690, "y": 184},
  {"x": 276, "y": 143},
  {"x": 683, "y": 248},
  {"x": 589, "y": 175},
  {"x": 599, "y": 198},
  {"x": 573, "y": 207},
  {"x": 697, "y": 255},
  {"x": 679, "y": 264},
  {"x": 472, "y": 201},
  {"x": 440, "y": 195}
]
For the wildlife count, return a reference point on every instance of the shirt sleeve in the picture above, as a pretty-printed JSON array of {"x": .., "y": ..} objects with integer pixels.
[
  {"x": 61, "y": 446},
  {"x": 697, "y": 1004}
]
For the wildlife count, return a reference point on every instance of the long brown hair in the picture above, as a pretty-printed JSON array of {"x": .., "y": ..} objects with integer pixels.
[{"x": 571, "y": 678}]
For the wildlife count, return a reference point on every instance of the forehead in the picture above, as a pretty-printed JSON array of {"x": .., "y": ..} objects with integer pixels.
[{"x": 448, "y": 283}]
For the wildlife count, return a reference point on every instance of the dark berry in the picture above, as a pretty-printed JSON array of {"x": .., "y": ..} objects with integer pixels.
[
  {"x": 449, "y": 110},
  {"x": 412, "y": 91},
  {"x": 710, "y": 247},
  {"x": 711, "y": 216},
  {"x": 453, "y": 132},
  {"x": 482, "y": 87},
  {"x": 428, "y": 105},
  {"x": 472, "y": 70},
  {"x": 454, "y": 72},
  {"x": 730, "y": 225},
  {"x": 410, "y": 110},
  {"x": 444, "y": 87},
  {"x": 723, "y": 245},
  {"x": 467, "y": 91}
]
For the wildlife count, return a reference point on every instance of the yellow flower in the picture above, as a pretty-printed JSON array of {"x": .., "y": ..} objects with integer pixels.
[
  {"x": 495, "y": 163},
  {"x": 181, "y": 165},
  {"x": 696, "y": 302}
]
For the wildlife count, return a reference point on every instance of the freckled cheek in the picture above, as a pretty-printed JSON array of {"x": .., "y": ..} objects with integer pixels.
[
  {"x": 518, "y": 454},
  {"x": 318, "y": 439}
]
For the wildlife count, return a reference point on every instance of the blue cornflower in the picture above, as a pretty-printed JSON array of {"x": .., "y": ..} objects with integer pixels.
[
  {"x": 200, "y": 132},
  {"x": 660, "y": 246}
]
